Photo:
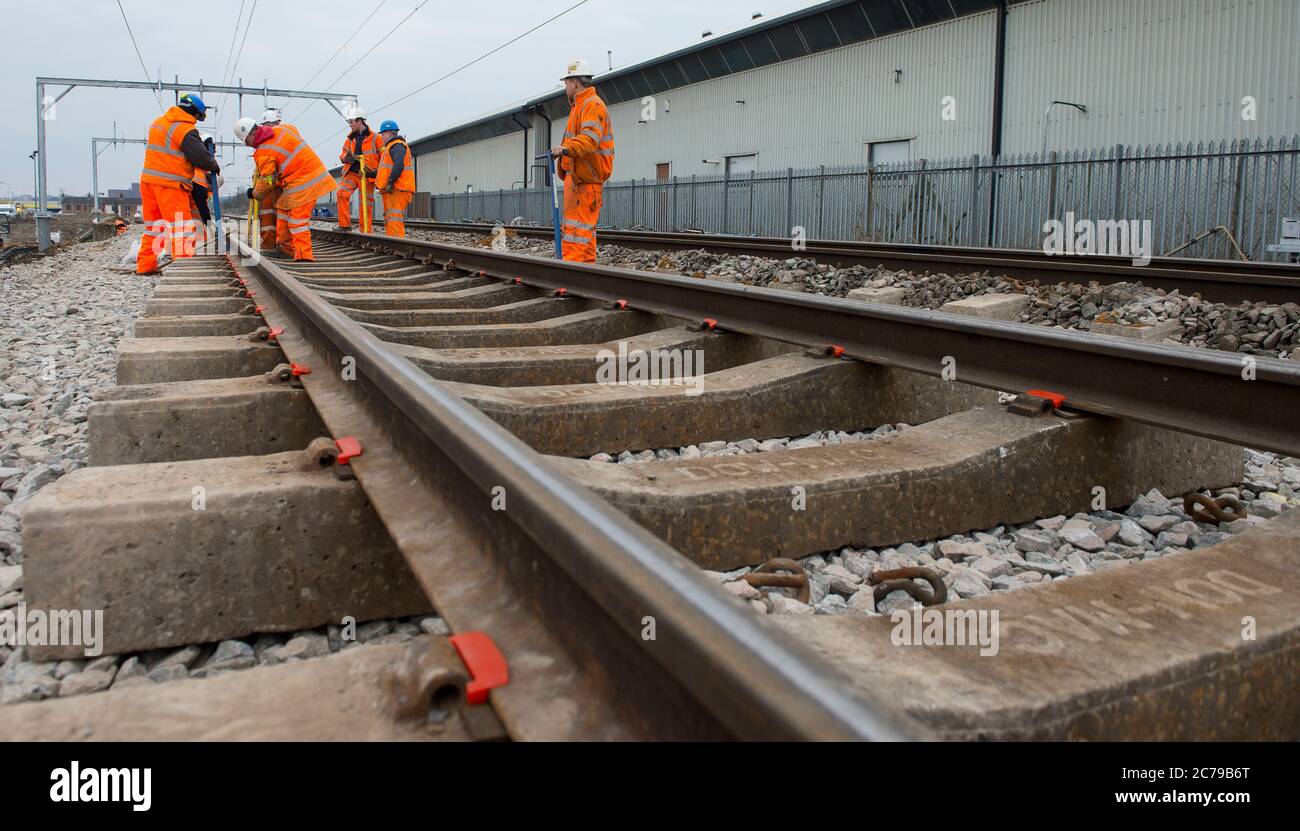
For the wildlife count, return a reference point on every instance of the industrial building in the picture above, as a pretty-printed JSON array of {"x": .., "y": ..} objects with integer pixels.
[{"x": 849, "y": 83}]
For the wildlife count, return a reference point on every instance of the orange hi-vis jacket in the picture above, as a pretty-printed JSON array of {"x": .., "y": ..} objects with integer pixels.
[
  {"x": 287, "y": 161},
  {"x": 366, "y": 148},
  {"x": 405, "y": 179},
  {"x": 164, "y": 163},
  {"x": 588, "y": 141}
]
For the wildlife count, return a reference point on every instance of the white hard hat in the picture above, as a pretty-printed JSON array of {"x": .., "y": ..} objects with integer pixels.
[
  {"x": 270, "y": 115},
  {"x": 576, "y": 69},
  {"x": 355, "y": 111},
  {"x": 243, "y": 127}
]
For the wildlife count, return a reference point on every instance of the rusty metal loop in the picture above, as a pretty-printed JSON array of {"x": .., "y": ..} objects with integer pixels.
[
  {"x": 1202, "y": 508},
  {"x": 765, "y": 576},
  {"x": 900, "y": 579}
]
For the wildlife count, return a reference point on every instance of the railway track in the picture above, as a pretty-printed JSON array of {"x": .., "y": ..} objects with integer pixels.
[
  {"x": 1225, "y": 281},
  {"x": 461, "y": 391}
]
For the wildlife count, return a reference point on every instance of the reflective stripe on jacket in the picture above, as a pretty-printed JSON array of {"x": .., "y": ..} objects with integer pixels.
[
  {"x": 164, "y": 163},
  {"x": 588, "y": 140},
  {"x": 405, "y": 176},
  {"x": 288, "y": 161}
]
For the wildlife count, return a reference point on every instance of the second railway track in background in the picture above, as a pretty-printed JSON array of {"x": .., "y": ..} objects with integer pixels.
[
  {"x": 462, "y": 383},
  {"x": 1220, "y": 281}
]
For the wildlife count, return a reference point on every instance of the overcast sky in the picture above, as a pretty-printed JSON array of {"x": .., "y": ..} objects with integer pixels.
[{"x": 289, "y": 41}]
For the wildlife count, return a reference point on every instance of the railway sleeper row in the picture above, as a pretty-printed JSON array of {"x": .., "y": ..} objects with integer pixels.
[{"x": 283, "y": 543}]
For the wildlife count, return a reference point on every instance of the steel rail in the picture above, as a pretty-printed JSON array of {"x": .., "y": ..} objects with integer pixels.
[
  {"x": 1220, "y": 281},
  {"x": 576, "y": 581},
  {"x": 1247, "y": 400}
]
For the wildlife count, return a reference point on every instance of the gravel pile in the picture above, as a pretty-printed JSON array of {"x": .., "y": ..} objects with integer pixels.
[
  {"x": 24, "y": 680},
  {"x": 1248, "y": 328},
  {"x": 746, "y": 446},
  {"x": 64, "y": 315},
  {"x": 1010, "y": 558}
]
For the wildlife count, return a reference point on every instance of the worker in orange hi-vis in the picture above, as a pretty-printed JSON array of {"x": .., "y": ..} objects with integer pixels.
[
  {"x": 396, "y": 179},
  {"x": 586, "y": 160},
  {"x": 360, "y": 157},
  {"x": 280, "y": 154},
  {"x": 266, "y": 218},
  {"x": 173, "y": 151}
]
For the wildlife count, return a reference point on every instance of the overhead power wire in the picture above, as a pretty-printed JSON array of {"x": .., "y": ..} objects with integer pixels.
[
  {"x": 399, "y": 25},
  {"x": 137, "y": 51},
  {"x": 352, "y": 36},
  {"x": 234, "y": 68},
  {"x": 465, "y": 66}
]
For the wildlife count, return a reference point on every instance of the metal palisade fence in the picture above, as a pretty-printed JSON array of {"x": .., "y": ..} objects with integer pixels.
[{"x": 1239, "y": 191}]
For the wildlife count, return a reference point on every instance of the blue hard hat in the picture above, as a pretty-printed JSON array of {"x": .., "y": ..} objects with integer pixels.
[
  {"x": 388, "y": 125},
  {"x": 194, "y": 101}
]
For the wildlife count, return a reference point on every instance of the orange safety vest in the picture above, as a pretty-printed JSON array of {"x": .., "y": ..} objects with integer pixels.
[
  {"x": 164, "y": 163},
  {"x": 366, "y": 148},
  {"x": 406, "y": 180},
  {"x": 589, "y": 140},
  {"x": 296, "y": 168}
]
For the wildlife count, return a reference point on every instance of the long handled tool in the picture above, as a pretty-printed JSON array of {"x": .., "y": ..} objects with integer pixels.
[
  {"x": 216, "y": 210},
  {"x": 365, "y": 212},
  {"x": 555, "y": 206},
  {"x": 253, "y": 205}
]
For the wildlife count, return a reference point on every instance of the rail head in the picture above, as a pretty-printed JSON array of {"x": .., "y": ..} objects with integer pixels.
[{"x": 753, "y": 679}]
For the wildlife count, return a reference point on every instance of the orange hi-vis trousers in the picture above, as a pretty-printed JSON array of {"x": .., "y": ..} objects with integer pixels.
[
  {"x": 348, "y": 185},
  {"x": 293, "y": 230},
  {"x": 266, "y": 218},
  {"x": 581, "y": 213},
  {"x": 169, "y": 224},
  {"x": 395, "y": 205}
]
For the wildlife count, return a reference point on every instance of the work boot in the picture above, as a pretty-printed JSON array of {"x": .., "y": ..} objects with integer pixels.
[{"x": 276, "y": 254}]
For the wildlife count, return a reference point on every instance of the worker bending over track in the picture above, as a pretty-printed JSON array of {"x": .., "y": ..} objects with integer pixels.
[
  {"x": 173, "y": 152},
  {"x": 282, "y": 157},
  {"x": 396, "y": 179},
  {"x": 586, "y": 159},
  {"x": 360, "y": 156},
  {"x": 266, "y": 218}
]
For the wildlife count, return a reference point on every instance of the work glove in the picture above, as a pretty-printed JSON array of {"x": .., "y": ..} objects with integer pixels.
[{"x": 249, "y": 193}]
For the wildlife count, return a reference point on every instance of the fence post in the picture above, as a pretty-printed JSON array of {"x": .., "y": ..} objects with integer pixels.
[
  {"x": 869, "y": 230},
  {"x": 674, "y": 219},
  {"x": 821, "y": 199},
  {"x": 1119, "y": 159},
  {"x": 789, "y": 200},
  {"x": 918, "y": 218},
  {"x": 726, "y": 195},
  {"x": 1051, "y": 185},
  {"x": 974, "y": 198},
  {"x": 693, "y": 217},
  {"x": 633, "y": 222},
  {"x": 751, "y": 201},
  {"x": 1238, "y": 175}
]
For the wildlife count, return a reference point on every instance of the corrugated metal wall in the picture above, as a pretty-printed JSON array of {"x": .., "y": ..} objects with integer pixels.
[{"x": 1150, "y": 71}]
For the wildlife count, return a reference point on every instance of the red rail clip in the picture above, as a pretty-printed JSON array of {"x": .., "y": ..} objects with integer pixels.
[
  {"x": 835, "y": 351},
  {"x": 257, "y": 310},
  {"x": 561, "y": 292},
  {"x": 482, "y": 272},
  {"x": 275, "y": 333},
  {"x": 1055, "y": 397},
  {"x": 249, "y": 292},
  {"x": 487, "y": 666},
  {"x": 348, "y": 447},
  {"x": 620, "y": 304},
  {"x": 299, "y": 369},
  {"x": 710, "y": 324},
  {"x": 519, "y": 281}
]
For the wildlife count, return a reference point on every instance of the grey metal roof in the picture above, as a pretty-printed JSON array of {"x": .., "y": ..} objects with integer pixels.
[{"x": 827, "y": 25}]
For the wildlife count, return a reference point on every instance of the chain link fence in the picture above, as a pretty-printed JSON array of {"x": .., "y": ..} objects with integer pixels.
[{"x": 1233, "y": 193}]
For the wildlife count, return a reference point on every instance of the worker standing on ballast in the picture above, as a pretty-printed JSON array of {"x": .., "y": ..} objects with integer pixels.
[
  {"x": 173, "y": 152},
  {"x": 283, "y": 160},
  {"x": 396, "y": 179},
  {"x": 586, "y": 160},
  {"x": 360, "y": 157}
]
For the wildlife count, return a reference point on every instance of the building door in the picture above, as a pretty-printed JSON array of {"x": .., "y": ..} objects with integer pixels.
[{"x": 662, "y": 196}]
